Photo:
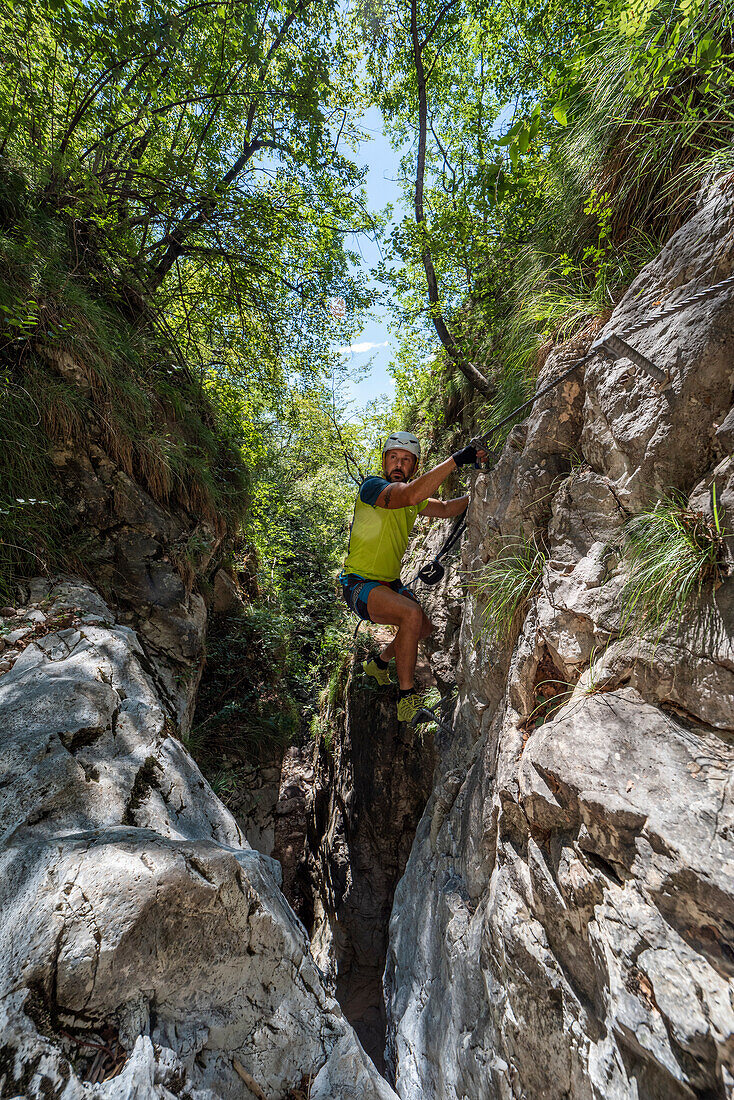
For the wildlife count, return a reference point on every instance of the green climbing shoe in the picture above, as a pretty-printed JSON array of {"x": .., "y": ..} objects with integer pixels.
[
  {"x": 381, "y": 675},
  {"x": 409, "y": 705}
]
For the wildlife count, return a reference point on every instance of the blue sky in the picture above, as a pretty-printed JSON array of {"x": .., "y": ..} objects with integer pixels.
[{"x": 373, "y": 342}]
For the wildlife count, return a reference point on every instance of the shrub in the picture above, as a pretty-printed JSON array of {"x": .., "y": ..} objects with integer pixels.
[
  {"x": 245, "y": 704},
  {"x": 671, "y": 554}
]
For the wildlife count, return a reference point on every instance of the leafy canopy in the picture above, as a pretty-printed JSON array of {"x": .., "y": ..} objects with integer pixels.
[
  {"x": 566, "y": 141},
  {"x": 202, "y": 152}
]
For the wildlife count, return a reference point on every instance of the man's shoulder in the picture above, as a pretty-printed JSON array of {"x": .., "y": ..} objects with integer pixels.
[{"x": 371, "y": 488}]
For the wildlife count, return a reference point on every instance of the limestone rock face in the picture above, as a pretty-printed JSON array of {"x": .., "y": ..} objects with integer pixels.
[
  {"x": 565, "y": 926},
  {"x": 144, "y": 558},
  {"x": 139, "y": 933}
]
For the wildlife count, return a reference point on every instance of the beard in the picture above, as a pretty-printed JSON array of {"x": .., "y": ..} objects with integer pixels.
[{"x": 396, "y": 475}]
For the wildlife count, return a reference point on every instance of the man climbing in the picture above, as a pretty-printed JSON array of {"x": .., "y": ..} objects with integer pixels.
[{"x": 384, "y": 514}]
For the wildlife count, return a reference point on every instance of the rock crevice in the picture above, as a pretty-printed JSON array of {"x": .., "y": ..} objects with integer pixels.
[{"x": 369, "y": 789}]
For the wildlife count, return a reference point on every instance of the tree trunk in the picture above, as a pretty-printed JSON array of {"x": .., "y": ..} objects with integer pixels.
[{"x": 452, "y": 349}]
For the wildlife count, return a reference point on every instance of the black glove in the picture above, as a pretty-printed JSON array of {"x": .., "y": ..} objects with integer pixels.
[{"x": 466, "y": 457}]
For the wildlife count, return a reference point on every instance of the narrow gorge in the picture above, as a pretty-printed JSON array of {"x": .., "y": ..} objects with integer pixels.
[
  {"x": 228, "y": 870},
  {"x": 547, "y": 884}
]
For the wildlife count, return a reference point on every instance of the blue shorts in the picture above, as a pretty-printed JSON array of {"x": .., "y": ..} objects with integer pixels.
[{"x": 356, "y": 589}]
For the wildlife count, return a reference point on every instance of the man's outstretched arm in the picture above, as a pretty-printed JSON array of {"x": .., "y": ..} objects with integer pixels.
[
  {"x": 406, "y": 494},
  {"x": 444, "y": 509}
]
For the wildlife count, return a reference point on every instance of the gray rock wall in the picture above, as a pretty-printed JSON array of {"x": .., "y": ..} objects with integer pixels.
[
  {"x": 565, "y": 925},
  {"x": 145, "y": 949},
  {"x": 138, "y": 553}
]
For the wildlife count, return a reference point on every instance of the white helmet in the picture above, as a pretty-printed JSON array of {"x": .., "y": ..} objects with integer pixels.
[{"x": 405, "y": 441}]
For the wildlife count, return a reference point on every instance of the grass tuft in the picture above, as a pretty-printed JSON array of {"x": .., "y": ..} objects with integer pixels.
[
  {"x": 672, "y": 554},
  {"x": 507, "y": 584}
]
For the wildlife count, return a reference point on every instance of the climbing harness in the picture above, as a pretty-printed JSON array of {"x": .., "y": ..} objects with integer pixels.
[
  {"x": 433, "y": 572},
  {"x": 615, "y": 347}
]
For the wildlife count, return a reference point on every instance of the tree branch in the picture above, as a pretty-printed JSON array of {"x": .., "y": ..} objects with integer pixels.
[{"x": 198, "y": 216}]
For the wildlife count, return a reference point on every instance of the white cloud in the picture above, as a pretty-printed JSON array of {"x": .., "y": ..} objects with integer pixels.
[{"x": 360, "y": 349}]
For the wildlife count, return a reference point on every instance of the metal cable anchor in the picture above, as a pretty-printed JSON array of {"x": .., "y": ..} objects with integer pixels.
[
  {"x": 614, "y": 347},
  {"x": 426, "y": 714}
]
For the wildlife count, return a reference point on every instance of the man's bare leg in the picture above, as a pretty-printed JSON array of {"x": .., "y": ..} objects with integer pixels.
[
  {"x": 389, "y": 608},
  {"x": 389, "y": 651}
]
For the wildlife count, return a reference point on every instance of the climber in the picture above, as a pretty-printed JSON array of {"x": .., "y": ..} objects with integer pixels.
[{"x": 384, "y": 514}]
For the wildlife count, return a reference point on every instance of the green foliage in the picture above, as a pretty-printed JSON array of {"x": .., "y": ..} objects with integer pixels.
[
  {"x": 481, "y": 207},
  {"x": 175, "y": 199},
  {"x": 225, "y": 783},
  {"x": 650, "y": 112},
  {"x": 506, "y": 585},
  {"x": 196, "y": 149},
  {"x": 672, "y": 555},
  {"x": 263, "y": 680},
  {"x": 513, "y": 386},
  {"x": 273, "y": 659},
  {"x": 74, "y": 366},
  {"x": 416, "y": 385},
  {"x": 337, "y": 685},
  {"x": 31, "y": 512},
  {"x": 566, "y": 143},
  {"x": 245, "y": 703},
  {"x": 297, "y": 528}
]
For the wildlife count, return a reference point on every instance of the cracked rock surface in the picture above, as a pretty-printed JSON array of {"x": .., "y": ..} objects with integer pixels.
[
  {"x": 564, "y": 929},
  {"x": 131, "y": 907}
]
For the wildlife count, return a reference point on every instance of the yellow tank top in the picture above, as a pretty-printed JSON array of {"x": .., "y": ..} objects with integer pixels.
[{"x": 378, "y": 536}]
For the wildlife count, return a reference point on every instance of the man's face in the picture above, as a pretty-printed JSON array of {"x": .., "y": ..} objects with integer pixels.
[{"x": 399, "y": 464}]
